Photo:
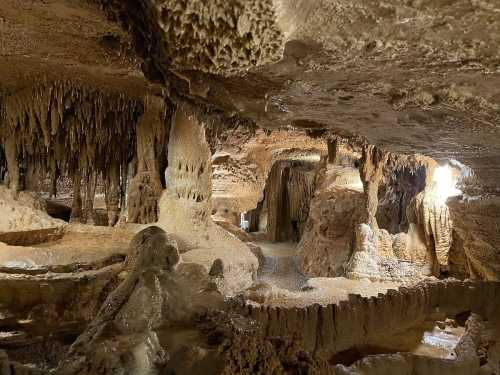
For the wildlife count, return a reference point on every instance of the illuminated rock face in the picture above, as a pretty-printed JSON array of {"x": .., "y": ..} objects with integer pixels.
[
  {"x": 343, "y": 235},
  {"x": 186, "y": 205}
]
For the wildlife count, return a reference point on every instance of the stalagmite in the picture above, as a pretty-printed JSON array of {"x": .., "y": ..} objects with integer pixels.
[
  {"x": 186, "y": 204},
  {"x": 249, "y": 187}
]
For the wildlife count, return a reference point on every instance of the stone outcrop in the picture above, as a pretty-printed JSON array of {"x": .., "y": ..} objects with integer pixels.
[
  {"x": 24, "y": 211},
  {"x": 52, "y": 305},
  {"x": 156, "y": 293},
  {"x": 145, "y": 187},
  {"x": 335, "y": 209},
  {"x": 424, "y": 248}
]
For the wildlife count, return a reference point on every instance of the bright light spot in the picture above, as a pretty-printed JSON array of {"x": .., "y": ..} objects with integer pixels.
[{"x": 445, "y": 184}]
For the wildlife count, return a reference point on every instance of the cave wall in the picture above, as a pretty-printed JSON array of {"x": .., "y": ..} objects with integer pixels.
[
  {"x": 475, "y": 250},
  {"x": 343, "y": 234}
]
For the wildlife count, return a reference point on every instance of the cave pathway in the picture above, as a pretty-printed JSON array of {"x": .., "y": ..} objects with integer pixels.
[{"x": 279, "y": 268}]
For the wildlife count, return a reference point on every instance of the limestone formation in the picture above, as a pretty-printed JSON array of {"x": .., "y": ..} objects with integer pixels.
[
  {"x": 335, "y": 210},
  {"x": 249, "y": 187},
  {"x": 145, "y": 187},
  {"x": 186, "y": 205}
]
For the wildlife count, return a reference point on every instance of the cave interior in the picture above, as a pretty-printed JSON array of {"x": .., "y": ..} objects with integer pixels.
[{"x": 249, "y": 187}]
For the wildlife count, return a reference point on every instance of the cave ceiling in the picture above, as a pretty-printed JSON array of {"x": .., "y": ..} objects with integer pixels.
[
  {"x": 66, "y": 40},
  {"x": 411, "y": 76}
]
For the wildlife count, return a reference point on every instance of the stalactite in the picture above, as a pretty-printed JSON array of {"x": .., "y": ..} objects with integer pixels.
[
  {"x": 300, "y": 188},
  {"x": 12, "y": 163},
  {"x": 333, "y": 146},
  {"x": 289, "y": 189},
  {"x": 3, "y": 165},
  {"x": 90, "y": 187},
  {"x": 64, "y": 126}
]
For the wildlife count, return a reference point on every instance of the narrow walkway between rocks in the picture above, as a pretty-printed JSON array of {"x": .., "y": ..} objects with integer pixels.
[
  {"x": 279, "y": 266},
  {"x": 280, "y": 271}
]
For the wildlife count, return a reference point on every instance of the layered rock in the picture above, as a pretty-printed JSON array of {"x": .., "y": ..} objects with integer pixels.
[
  {"x": 24, "y": 211},
  {"x": 362, "y": 321},
  {"x": 156, "y": 292}
]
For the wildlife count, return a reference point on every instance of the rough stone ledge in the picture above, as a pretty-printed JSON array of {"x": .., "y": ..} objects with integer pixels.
[{"x": 333, "y": 328}]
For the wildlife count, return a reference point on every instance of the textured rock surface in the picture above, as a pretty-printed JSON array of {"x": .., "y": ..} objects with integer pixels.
[
  {"x": 476, "y": 237},
  {"x": 330, "y": 329},
  {"x": 24, "y": 212},
  {"x": 155, "y": 292},
  {"x": 186, "y": 206},
  {"x": 335, "y": 210},
  {"x": 438, "y": 68},
  {"x": 145, "y": 187},
  {"x": 243, "y": 161}
]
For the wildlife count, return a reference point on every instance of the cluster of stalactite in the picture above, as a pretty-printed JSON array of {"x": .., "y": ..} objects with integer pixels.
[
  {"x": 56, "y": 129},
  {"x": 401, "y": 185},
  {"x": 288, "y": 193}
]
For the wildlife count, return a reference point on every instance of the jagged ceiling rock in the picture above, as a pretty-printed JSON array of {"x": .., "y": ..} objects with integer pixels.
[{"x": 412, "y": 76}]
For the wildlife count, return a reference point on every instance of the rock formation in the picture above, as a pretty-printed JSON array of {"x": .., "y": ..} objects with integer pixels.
[
  {"x": 186, "y": 205},
  {"x": 249, "y": 187}
]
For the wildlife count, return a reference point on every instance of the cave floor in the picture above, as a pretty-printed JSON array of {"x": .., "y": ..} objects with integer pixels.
[
  {"x": 279, "y": 268},
  {"x": 290, "y": 288}
]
